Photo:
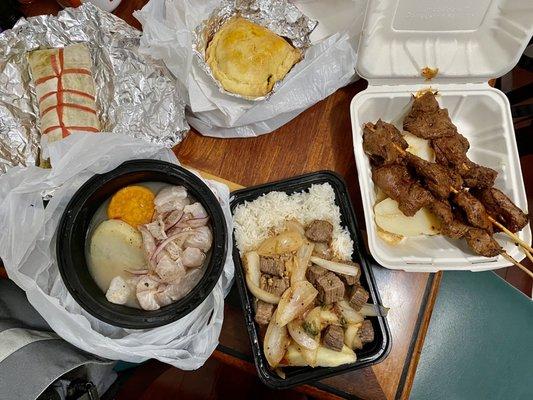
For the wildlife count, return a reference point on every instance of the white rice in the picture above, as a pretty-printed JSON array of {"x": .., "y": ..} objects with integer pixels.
[{"x": 257, "y": 220}]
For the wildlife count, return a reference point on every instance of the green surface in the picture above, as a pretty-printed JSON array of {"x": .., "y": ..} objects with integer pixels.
[{"x": 480, "y": 342}]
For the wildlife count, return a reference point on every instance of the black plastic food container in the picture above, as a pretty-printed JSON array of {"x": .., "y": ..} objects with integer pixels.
[
  {"x": 371, "y": 353},
  {"x": 72, "y": 232}
]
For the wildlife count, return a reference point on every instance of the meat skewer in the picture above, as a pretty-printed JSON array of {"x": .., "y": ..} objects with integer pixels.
[
  {"x": 477, "y": 215},
  {"x": 399, "y": 185},
  {"x": 383, "y": 142},
  {"x": 396, "y": 182},
  {"x": 428, "y": 121}
]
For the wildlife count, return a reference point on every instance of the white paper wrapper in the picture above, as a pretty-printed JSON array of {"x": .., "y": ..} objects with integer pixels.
[{"x": 328, "y": 65}]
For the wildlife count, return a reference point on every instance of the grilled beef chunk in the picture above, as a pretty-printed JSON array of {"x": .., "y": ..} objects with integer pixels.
[
  {"x": 272, "y": 265},
  {"x": 482, "y": 242},
  {"x": 263, "y": 312},
  {"x": 349, "y": 279},
  {"x": 314, "y": 272},
  {"x": 438, "y": 178},
  {"x": 358, "y": 297},
  {"x": 450, "y": 226},
  {"x": 473, "y": 210},
  {"x": 399, "y": 185},
  {"x": 319, "y": 231},
  {"x": 502, "y": 209},
  {"x": 451, "y": 151},
  {"x": 273, "y": 284},
  {"x": 330, "y": 288},
  {"x": 366, "y": 333},
  {"x": 333, "y": 337},
  {"x": 379, "y": 141},
  {"x": 427, "y": 120},
  {"x": 478, "y": 176}
]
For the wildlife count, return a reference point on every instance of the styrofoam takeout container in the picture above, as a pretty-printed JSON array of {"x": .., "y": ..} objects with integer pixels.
[{"x": 469, "y": 44}]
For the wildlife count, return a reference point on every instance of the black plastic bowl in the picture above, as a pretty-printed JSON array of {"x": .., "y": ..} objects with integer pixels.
[
  {"x": 72, "y": 234},
  {"x": 371, "y": 353}
]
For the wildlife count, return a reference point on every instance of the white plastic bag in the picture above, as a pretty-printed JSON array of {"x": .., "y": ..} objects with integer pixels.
[
  {"x": 27, "y": 247},
  {"x": 329, "y": 64}
]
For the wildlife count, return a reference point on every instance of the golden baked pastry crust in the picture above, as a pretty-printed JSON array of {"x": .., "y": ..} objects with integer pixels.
[{"x": 248, "y": 59}]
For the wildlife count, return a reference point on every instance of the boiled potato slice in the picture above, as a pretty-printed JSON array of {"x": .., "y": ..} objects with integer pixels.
[
  {"x": 114, "y": 246},
  {"x": 324, "y": 357},
  {"x": 419, "y": 147},
  {"x": 389, "y": 218},
  {"x": 390, "y": 238}
]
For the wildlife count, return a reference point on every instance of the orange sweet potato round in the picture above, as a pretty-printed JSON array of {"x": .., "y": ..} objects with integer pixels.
[{"x": 133, "y": 205}]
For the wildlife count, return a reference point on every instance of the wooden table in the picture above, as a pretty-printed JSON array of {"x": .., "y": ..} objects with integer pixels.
[{"x": 320, "y": 138}]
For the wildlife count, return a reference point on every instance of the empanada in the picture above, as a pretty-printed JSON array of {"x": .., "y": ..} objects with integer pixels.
[{"x": 248, "y": 59}]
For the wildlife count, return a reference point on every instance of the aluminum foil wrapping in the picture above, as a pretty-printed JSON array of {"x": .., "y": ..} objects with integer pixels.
[
  {"x": 280, "y": 16},
  {"x": 135, "y": 94}
]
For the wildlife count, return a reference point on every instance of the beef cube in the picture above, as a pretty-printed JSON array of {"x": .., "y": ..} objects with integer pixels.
[
  {"x": 366, "y": 332},
  {"x": 273, "y": 284},
  {"x": 319, "y": 231},
  {"x": 330, "y": 288},
  {"x": 272, "y": 265},
  {"x": 314, "y": 272},
  {"x": 263, "y": 312},
  {"x": 349, "y": 279},
  {"x": 358, "y": 297},
  {"x": 333, "y": 337}
]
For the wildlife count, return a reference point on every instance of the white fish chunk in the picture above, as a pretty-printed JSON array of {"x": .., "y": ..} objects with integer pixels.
[
  {"x": 171, "y": 198},
  {"x": 193, "y": 257},
  {"x": 146, "y": 292},
  {"x": 196, "y": 209},
  {"x": 200, "y": 238},
  {"x": 178, "y": 289},
  {"x": 157, "y": 228},
  {"x": 119, "y": 290},
  {"x": 169, "y": 270},
  {"x": 174, "y": 250}
]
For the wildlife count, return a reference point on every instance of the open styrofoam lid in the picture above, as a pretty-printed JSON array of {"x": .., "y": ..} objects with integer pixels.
[{"x": 468, "y": 41}]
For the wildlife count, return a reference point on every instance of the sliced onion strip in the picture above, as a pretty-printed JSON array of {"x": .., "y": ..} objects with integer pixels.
[
  {"x": 276, "y": 342},
  {"x": 294, "y": 302},
  {"x": 299, "y": 335},
  {"x": 251, "y": 267},
  {"x": 339, "y": 268},
  {"x": 302, "y": 260},
  {"x": 373, "y": 310}
]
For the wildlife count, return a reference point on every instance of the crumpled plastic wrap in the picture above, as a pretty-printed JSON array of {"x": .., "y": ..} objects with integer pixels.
[
  {"x": 136, "y": 95},
  {"x": 329, "y": 64},
  {"x": 280, "y": 16},
  {"x": 28, "y": 246}
]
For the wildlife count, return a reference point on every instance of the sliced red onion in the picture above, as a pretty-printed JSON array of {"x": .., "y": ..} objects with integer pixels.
[
  {"x": 197, "y": 222},
  {"x": 165, "y": 242},
  {"x": 176, "y": 215},
  {"x": 136, "y": 271}
]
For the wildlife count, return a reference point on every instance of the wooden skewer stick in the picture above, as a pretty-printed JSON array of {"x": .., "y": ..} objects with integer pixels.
[
  {"x": 511, "y": 235},
  {"x": 511, "y": 259}
]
